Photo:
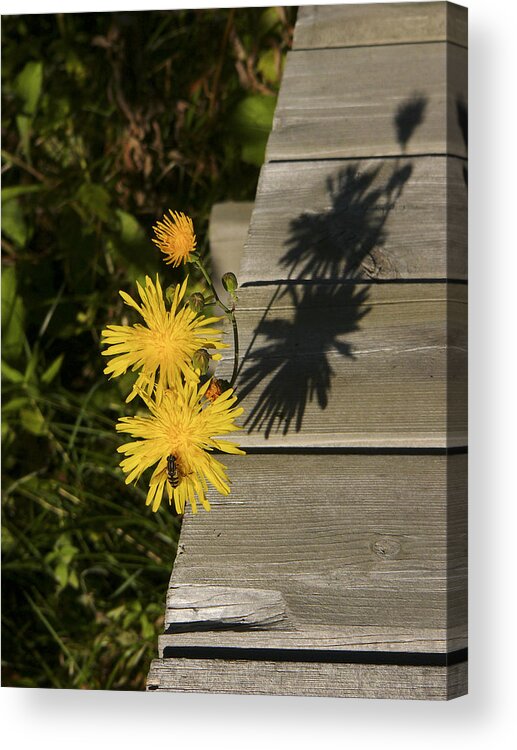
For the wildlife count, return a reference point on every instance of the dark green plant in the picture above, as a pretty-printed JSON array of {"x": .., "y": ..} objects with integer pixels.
[{"x": 107, "y": 121}]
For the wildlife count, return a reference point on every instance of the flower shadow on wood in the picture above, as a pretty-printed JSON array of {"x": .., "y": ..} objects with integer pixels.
[
  {"x": 330, "y": 256},
  {"x": 297, "y": 356}
]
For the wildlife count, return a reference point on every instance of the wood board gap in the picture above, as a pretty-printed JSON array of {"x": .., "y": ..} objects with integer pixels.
[
  {"x": 398, "y": 658},
  {"x": 355, "y": 282},
  {"x": 377, "y": 46},
  {"x": 356, "y": 157},
  {"x": 351, "y": 450}
]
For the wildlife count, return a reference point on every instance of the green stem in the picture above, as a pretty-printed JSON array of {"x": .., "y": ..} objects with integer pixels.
[
  {"x": 230, "y": 312},
  {"x": 235, "y": 349},
  {"x": 208, "y": 280}
]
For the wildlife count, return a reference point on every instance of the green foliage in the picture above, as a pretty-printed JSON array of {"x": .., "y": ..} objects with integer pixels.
[
  {"x": 251, "y": 122},
  {"x": 108, "y": 119},
  {"x": 13, "y": 315},
  {"x": 27, "y": 85}
]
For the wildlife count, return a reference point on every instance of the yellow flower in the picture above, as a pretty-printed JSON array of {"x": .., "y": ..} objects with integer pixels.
[
  {"x": 182, "y": 424},
  {"x": 176, "y": 238},
  {"x": 162, "y": 348}
]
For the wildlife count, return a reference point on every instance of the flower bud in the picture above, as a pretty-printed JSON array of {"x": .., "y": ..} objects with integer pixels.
[
  {"x": 169, "y": 292},
  {"x": 229, "y": 282},
  {"x": 196, "y": 302},
  {"x": 201, "y": 360}
]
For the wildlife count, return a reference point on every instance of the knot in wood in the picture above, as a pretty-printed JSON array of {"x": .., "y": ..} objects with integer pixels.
[
  {"x": 386, "y": 548},
  {"x": 377, "y": 265}
]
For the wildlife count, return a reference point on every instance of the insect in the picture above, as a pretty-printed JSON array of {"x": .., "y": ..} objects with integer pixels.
[{"x": 172, "y": 471}]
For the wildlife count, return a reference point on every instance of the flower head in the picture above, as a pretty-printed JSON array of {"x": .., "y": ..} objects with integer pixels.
[
  {"x": 175, "y": 237},
  {"x": 161, "y": 349},
  {"x": 182, "y": 424}
]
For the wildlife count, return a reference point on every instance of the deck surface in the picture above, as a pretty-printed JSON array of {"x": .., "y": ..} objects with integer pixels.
[{"x": 337, "y": 566}]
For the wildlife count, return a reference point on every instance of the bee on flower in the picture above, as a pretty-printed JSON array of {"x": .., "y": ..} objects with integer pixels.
[
  {"x": 183, "y": 424},
  {"x": 188, "y": 409}
]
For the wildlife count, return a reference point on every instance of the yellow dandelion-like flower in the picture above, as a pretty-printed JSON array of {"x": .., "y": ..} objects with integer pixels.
[
  {"x": 183, "y": 424},
  {"x": 162, "y": 348},
  {"x": 175, "y": 237}
]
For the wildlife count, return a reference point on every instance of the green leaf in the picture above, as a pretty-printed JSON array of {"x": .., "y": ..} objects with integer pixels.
[
  {"x": 133, "y": 248},
  {"x": 73, "y": 581},
  {"x": 28, "y": 86},
  {"x": 251, "y": 123},
  {"x": 68, "y": 553},
  {"x": 30, "y": 370},
  {"x": 23, "y": 123},
  {"x": 10, "y": 374},
  {"x": 116, "y": 613},
  {"x": 13, "y": 316},
  {"x": 269, "y": 20},
  {"x": 8, "y": 193},
  {"x": 13, "y": 222},
  {"x": 51, "y": 371},
  {"x": 253, "y": 153},
  {"x": 33, "y": 421},
  {"x": 147, "y": 627},
  {"x": 267, "y": 66},
  {"x": 95, "y": 199},
  {"x": 61, "y": 574},
  {"x": 8, "y": 437},
  {"x": 15, "y": 404}
]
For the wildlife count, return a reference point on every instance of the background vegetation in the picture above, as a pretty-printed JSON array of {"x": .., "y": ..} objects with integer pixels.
[{"x": 108, "y": 120}]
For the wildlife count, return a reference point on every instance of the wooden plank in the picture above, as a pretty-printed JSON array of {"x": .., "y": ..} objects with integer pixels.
[
  {"x": 367, "y": 219},
  {"x": 457, "y": 549},
  {"x": 228, "y": 229},
  {"x": 328, "y": 638},
  {"x": 366, "y": 102},
  {"x": 351, "y": 25},
  {"x": 352, "y": 365},
  {"x": 325, "y": 551},
  {"x": 322, "y": 548},
  {"x": 202, "y": 605},
  {"x": 309, "y": 679}
]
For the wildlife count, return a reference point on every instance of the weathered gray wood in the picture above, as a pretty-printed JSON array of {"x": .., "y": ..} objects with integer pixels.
[
  {"x": 369, "y": 219},
  {"x": 350, "y": 25},
  {"x": 327, "y": 551},
  {"x": 228, "y": 229},
  {"x": 281, "y": 678},
  {"x": 345, "y": 551},
  {"x": 222, "y": 606},
  {"x": 342, "y": 103},
  {"x": 457, "y": 548},
  {"x": 352, "y": 365},
  {"x": 328, "y": 638}
]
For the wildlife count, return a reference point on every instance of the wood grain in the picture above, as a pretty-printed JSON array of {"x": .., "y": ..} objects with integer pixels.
[
  {"x": 195, "y": 605},
  {"x": 228, "y": 229},
  {"x": 352, "y": 365},
  {"x": 281, "y": 678},
  {"x": 333, "y": 550},
  {"x": 350, "y": 25},
  {"x": 367, "y": 219},
  {"x": 344, "y": 103},
  {"x": 328, "y": 638}
]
